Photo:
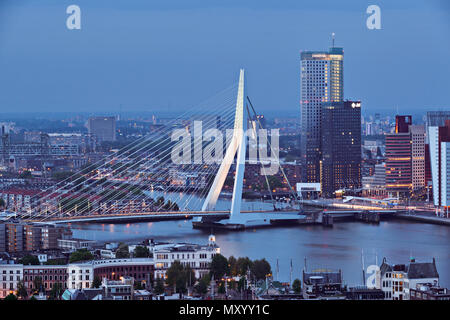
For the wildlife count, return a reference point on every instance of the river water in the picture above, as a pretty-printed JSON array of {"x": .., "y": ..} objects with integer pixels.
[{"x": 334, "y": 248}]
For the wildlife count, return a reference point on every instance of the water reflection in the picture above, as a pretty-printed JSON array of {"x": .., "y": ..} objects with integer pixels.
[{"x": 337, "y": 247}]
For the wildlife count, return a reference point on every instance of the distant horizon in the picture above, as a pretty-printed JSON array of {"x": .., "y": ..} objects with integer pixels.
[{"x": 157, "y": 55}]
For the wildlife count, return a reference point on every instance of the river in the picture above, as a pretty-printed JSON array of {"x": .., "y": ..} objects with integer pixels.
[{"x": 335, "y": 248}]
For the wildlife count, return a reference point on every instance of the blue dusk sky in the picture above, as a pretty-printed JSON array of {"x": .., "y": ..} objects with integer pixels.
[{"x": 166, "y": 55}]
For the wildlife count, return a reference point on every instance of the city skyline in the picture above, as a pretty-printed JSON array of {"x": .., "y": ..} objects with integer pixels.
[{"x": 135, "y": 61}]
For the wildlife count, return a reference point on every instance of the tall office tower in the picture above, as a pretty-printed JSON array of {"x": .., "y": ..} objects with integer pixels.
[
  {"x": 437, "y": 118},
  {"x": 104, "y": 128},
  {"x": 321, "y": 82},
  {"x": 439, "y": 137},
  {"x": 434, "y": 119},
  {"x": 398, "y": 158},
  {"x": 340, "y": 167},
  {"x": 418, "y": 156}
]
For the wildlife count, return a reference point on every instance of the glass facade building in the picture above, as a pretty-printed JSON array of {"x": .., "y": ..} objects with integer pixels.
[
  {"x": 321, "y": 83},
  {"x": 340, "y": 166}
]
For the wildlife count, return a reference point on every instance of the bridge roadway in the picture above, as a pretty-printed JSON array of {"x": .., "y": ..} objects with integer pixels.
[{"x": 136, "y": 216}]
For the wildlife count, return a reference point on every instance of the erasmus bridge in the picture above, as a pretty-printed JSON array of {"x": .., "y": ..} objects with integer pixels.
[{"x": 142, "y": 182}]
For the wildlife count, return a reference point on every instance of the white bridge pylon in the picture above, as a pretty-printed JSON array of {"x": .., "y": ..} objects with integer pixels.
[{"x": 237, "y": 145}]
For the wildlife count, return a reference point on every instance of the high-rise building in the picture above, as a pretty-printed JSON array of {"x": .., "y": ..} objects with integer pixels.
[
  {"x": 104, "y": 128},
  {"x": 399, "y": 158},
  {"x": 340, "y": 167},
  {"x": 322, "y": 82},
  {"x": 433, "y": 119},
  {"x": 439, "y": 138},
  {"x": 418, "y": 156}
]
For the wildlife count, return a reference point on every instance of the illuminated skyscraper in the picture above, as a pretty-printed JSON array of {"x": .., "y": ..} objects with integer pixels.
[
  {"x": 341, "y": 147},
  {"x": 439, "y": 137},
  {"x": 399, "y": 158},
  {"x": 322, "y": 82}
]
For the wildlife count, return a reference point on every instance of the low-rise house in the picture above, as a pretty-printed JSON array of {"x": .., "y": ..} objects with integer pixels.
[{"x": 396, "y": 280}]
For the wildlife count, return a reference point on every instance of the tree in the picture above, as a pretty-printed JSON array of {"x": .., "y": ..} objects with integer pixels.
[
  {"x": 2, "y": 203},
  {"x": 232, "y": 265},
  {"x": 202, "y": 286},
  {"x": 159, "y": 286},
  {"x": 260, "y": 269},
  {"x": 141, "y": 252},
  {"x": 160, "y": 201},
  {"x": 96, "y": 282},
  {"x": 122, "y": 251},
  {"x": 138, "y": 285},
  {"x": 242, "y": 265},
  {"x": 81, "y": 255},
  {"x": 21, "y": 290},
  {"x": 56, "y": 292},
  {"x": 219, "y": 266},
  {"x": 179, "y": 276},
  {"x": 11, "y": 297},
  {"x": 29, "y": 260},
  {"x": 241, "y": 283},
  {"x": 221, "y": 288},
  {"x": 37, "y": 284},
  {"x": 297, "y": 286},
  {"x": 26, "y": 175}
]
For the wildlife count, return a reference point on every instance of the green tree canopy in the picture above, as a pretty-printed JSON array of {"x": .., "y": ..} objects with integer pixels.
[
  {"x": 26, "y": 175},
  {"x": 21, "y": 290},
  {"x": 11, "y": 296},
  {"x": 141, "y": 252},
  {"x": 56, "y": 292},
  {"x": 261, "y": 268},
  {"x": 29, "y": 260},
  {"x": 179, "y": 276},
  {"x": 37, "y": 284},
  {"x": 202, "y": 286},
  {"x": 232, "y": 265},
  {"x": 242, "y": 265},
  {"x": 297, "y": 286},
  {"x": 122, "y": 251},
  {"x": 96, "y": 282},
  {"x": 80, "y": 255},
  {"x": 159, "y": 286},
  {"x": 219, "y": 266}
]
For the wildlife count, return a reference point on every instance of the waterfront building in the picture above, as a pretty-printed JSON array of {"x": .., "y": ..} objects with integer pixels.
[
  {"x": 104, "y": 128},
  {"x": 75, "y": 275},
  {"x": 19, "y": 236},
  {"x": 322, "y": 82},
  {"x": 197, "y": 257},
  {"x": 340, "y": 166},
  {"x": 399, "y": 158},
  {"x": 396, "y": 280},
  {"x": 73, "y": 244},
  {"x": 375, "y": 185},
  {"x": 418, "y": 156},
  {"x": 439, "y": 147}
]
